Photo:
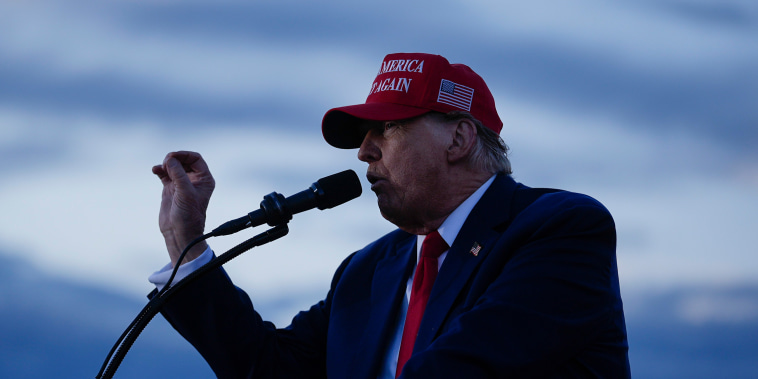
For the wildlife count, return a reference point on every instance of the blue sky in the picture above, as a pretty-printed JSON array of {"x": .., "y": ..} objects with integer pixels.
[{"x": 649, "y": 106}]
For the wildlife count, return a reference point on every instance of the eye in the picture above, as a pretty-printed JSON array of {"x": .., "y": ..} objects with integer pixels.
[{"x": 389, "y": 125}]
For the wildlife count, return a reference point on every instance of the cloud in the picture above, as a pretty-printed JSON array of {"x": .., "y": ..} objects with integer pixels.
[
  {"x": 707, "y": 307},
  {"x": 647, "y": 107},
  {"x": 651, "y": 64},
  {"x": 684, "y": 332},
  {"x": 672, "y": 333}
]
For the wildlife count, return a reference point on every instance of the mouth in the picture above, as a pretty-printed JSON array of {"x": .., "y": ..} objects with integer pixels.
[{"x": 375, "y": 180}]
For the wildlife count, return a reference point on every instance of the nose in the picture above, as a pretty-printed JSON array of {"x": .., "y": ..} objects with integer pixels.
[{"x": 369, "y": 151}]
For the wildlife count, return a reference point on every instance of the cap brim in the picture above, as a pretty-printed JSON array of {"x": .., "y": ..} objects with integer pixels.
[{"x": 341, "y": 126}]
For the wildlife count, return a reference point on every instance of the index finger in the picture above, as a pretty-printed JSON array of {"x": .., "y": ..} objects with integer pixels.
[{"x": 190, "y": 161}]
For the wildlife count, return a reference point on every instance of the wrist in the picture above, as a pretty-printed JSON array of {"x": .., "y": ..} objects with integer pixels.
[{"x": 176, "y": 245}]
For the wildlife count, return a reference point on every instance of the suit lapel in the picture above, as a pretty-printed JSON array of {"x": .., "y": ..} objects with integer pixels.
[
  {"x": 471, "y": 246},
  {"x": 387, "y": 291}
]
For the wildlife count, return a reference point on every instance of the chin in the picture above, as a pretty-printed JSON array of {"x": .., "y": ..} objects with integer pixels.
[
  {"x": 396, "y": 218},
  {"x": 388, "y": 213}
]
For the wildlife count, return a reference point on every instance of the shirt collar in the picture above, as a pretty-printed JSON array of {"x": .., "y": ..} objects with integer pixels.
[{"x": 453, "y": 223}]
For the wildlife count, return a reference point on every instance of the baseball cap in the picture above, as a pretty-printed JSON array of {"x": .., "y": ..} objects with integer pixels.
[{"x": 409, "y": 85}]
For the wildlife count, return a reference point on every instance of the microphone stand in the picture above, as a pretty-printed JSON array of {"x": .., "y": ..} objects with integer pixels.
[
  {"x": 276, "y": 211},
  {"x": 155, "y": 304}
]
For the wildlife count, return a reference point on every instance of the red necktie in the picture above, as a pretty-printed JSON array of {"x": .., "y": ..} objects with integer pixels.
[{"x": 423, "y": 280}]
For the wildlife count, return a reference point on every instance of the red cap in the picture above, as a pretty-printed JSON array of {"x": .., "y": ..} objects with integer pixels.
[{"x": 409, "y": 85}]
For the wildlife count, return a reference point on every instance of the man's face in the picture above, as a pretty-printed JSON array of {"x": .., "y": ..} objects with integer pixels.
[{"x": 407, "y": 164}]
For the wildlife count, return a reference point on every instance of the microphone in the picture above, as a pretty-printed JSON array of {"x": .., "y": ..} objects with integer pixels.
[{"x": 327, "y": 192}]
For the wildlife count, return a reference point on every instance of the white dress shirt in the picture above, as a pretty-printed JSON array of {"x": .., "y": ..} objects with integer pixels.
[{"x": 449, "y": 231}]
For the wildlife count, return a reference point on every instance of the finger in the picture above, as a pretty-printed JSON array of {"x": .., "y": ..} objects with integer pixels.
[
  {"x": 177, "y": 174},
  {"x": 190, "y": 160},
  {"x": 161, "y": 173},
  {"x": 196, "y": 170},
  {"x": 158, "y": 170}
]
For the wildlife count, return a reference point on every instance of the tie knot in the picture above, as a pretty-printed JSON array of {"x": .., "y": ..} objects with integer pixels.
[{"x": 433, "y": 245}]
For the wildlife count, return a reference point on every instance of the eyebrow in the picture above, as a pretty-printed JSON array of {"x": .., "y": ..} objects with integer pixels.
[{"x": 367, "y": 125}]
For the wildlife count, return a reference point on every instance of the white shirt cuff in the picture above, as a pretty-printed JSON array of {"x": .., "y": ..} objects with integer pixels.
[{"x": 160, "y": 277}]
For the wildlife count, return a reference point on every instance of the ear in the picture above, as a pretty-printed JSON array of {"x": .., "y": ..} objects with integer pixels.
[{"x": 464, "y": 139}]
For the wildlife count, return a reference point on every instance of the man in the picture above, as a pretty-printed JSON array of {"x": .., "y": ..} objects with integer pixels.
[{"x": 510, "y": 281}]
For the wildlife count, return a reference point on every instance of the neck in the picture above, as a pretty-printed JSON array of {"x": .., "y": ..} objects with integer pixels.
[{"x": 456, "y": 191}]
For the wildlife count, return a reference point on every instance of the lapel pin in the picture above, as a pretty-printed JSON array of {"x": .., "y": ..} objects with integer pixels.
[{"x": 475, "y": 249}]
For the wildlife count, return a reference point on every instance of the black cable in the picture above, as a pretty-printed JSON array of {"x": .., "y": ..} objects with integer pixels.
[
  {"x": 144, "y": 310},
  {"x": 152, "y": 308},
  {"x": 181, "y": 259}
]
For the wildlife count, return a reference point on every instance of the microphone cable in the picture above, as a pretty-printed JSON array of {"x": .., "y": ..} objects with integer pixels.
[
  {"x": 276, "y": 211},
  {"x": 150, "y": 303},
  {"x": 151, "y": 309}
]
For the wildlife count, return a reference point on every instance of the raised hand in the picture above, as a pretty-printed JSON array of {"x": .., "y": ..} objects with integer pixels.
[{"x": 187, "y": 188}]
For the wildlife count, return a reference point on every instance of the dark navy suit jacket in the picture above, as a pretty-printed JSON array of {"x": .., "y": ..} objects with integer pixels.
[{"x": 540, "y": 298}]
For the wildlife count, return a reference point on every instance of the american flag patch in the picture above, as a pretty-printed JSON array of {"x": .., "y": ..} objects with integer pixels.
[
  {"x": 475, "y": 249},
  {"x": 455, "y": 94}
]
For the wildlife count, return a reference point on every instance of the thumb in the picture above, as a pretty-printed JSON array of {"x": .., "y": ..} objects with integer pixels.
[{"x": 177, "y": 174}]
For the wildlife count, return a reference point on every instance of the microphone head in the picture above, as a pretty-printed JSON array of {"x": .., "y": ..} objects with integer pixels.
[{"x": 337, "y": 189}]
